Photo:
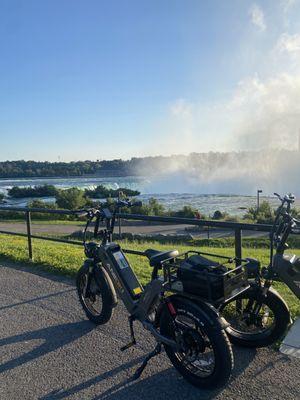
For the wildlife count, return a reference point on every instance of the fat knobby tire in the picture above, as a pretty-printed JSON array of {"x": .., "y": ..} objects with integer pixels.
[
  {"x": 106, "y": 295},
  {"x": 219, "y": 342},
  {"x": 281, "y": 322}
]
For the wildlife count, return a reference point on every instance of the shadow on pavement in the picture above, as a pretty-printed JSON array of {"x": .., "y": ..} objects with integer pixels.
[
  {"x": 36, "y": 299},
  {"x": 162, "y": 385},
  {"x": 42, "y": 270},
  {"x": 53, "y": 338},
  {"x": 62, "y": 394}
]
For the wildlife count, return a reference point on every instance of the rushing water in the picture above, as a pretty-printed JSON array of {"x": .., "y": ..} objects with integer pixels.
[{"x": 205, "y": 203}]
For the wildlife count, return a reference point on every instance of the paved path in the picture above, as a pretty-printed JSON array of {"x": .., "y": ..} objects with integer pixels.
[
  {"x": 49, "y": 351},
  {"x": 166, "y": 229}
]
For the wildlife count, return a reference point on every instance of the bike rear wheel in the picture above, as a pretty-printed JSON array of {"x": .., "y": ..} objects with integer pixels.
[
  {"x": 94, "y": 294},
  {"x": 204, "y": 357},
  {"x": 250, "y": 330}
]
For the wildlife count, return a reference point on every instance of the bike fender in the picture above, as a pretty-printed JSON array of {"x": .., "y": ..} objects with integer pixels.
[
  {"x": 281, "y": 298},
  {"x": 275, "y": 293},
  {"x": 209, "y": 313},
  {"x": 111, "y": 285},
  {"x": 256, "y": 288},
  {"x": 106, "y": 276}
]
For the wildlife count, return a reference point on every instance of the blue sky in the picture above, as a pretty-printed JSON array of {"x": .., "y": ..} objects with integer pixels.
[{"x": 115, "y": 79}]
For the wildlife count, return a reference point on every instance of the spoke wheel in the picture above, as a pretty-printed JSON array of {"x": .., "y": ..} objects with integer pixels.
[
  {"x": 204, "y": 356},
  {"x": 256, "y": 329},
  {"x": 92, "y": 298},
  {"x": 196, "y": 352}
]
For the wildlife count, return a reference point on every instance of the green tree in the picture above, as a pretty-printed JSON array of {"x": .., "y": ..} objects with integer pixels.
[
  {"x": 70, "y": 199},
  {"x": 185, "y": 212},
  {"x": 155, "y": 207},
  {"x": 263, "y": 215}
]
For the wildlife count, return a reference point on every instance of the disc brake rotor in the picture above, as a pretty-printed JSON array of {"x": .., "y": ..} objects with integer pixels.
[{"x": 192, "y": 344}]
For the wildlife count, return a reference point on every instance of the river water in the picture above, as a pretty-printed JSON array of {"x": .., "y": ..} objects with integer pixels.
[{"x": 205, "y": 203}]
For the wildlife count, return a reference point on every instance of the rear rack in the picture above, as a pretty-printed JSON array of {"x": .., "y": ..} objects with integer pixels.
[{"x": 213, "y": 286}]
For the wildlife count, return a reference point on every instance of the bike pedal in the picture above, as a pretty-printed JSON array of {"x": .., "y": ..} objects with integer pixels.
[{"x": 128, "y": 345}]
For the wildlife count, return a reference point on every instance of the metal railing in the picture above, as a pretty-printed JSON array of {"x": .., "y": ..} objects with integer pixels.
[{"x": 234, "y": 226}]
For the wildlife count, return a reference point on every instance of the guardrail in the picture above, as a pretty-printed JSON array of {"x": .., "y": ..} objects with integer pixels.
[{"x": 235, "y": 226}]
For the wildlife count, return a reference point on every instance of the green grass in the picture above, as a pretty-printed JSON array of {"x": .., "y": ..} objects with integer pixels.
[{"x": 66, "y": 259}]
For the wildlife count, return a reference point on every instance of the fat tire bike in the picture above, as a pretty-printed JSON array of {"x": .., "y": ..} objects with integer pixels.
[
  {"x": 259, "y": 316},
  {"x": 188, "y": 328}
]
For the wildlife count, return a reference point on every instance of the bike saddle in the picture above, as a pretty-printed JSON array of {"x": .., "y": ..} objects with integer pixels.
[{"x": 157, "y": 257}]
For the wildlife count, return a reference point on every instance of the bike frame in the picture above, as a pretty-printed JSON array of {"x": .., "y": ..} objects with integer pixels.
[
  {"x": 140, "y": 303},
  {"x": 278, "y": 236},
  {"x": 137, "y": 299}
]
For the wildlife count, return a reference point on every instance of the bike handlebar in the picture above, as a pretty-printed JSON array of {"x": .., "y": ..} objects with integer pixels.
[
  {"x": 92, "y": 212},
  {"x": 288, "y": 198}
]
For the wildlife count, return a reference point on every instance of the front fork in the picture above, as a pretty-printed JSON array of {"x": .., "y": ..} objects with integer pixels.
[
  {"x": 86, "y": 288},
  {"x": 254, "y": 306},
  {"x": 263, "y": 291}
]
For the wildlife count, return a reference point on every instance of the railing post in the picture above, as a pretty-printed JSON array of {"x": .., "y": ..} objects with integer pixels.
[
  {"x": 28, "y": 225},
  {"x": 238, "y": 244},
  {"x": 238, "y": 254}
]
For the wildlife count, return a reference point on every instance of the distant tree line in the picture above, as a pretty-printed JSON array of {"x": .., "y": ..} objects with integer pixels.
[
  {"x": 135, "y": 166},
  {"x": 22, "y": 169}
]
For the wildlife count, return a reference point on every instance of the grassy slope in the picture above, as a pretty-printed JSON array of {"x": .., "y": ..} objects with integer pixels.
[{"x": 67, "y": 259}]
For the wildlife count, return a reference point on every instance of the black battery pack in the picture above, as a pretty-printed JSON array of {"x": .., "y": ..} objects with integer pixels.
[{"x": 124, "y": 270}]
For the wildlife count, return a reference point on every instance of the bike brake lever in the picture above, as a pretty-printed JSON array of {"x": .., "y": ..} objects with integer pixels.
[{"x": 279, "y": 197}]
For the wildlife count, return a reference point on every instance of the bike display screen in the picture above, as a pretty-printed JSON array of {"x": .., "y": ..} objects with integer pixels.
[{"x": 121, "y": 260}]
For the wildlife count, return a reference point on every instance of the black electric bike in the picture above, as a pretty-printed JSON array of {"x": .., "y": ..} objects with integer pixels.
[
  {"x": 260, "y": 316},
  {"x": 190, "y": 329}
]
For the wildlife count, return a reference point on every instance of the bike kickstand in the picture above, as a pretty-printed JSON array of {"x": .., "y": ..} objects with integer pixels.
[
  {"x": 152, "y": 354},
  {"x": 132, "y": 341}
]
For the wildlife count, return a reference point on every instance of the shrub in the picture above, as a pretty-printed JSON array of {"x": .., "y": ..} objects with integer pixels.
[
  {"x": 70, "y": 199},
  {"x": 101, "y": 192},
  {"x": 218, "y": 215},
  {"x": 263, "y": 215},
  {"x": 35, "y": 191},
  {"x": 185, "y": 212}
]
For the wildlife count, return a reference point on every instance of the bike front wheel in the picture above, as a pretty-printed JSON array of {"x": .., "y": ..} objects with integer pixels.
[
  {"x": 94, "y": 294},
  {"x": 250, "y": 328},
  {"x": 204, "y": 355}
]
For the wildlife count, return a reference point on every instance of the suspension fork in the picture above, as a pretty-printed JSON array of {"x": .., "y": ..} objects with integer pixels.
[
  {"x": 263, "y": 290},
  {"x": 86, "y": 289}
]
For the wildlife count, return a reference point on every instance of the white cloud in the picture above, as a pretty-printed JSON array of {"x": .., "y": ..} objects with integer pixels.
[
  {"x": 257, "y": 17},
  {"x": 288, "y": 43},
  {"x": 287, "y": 5}
]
